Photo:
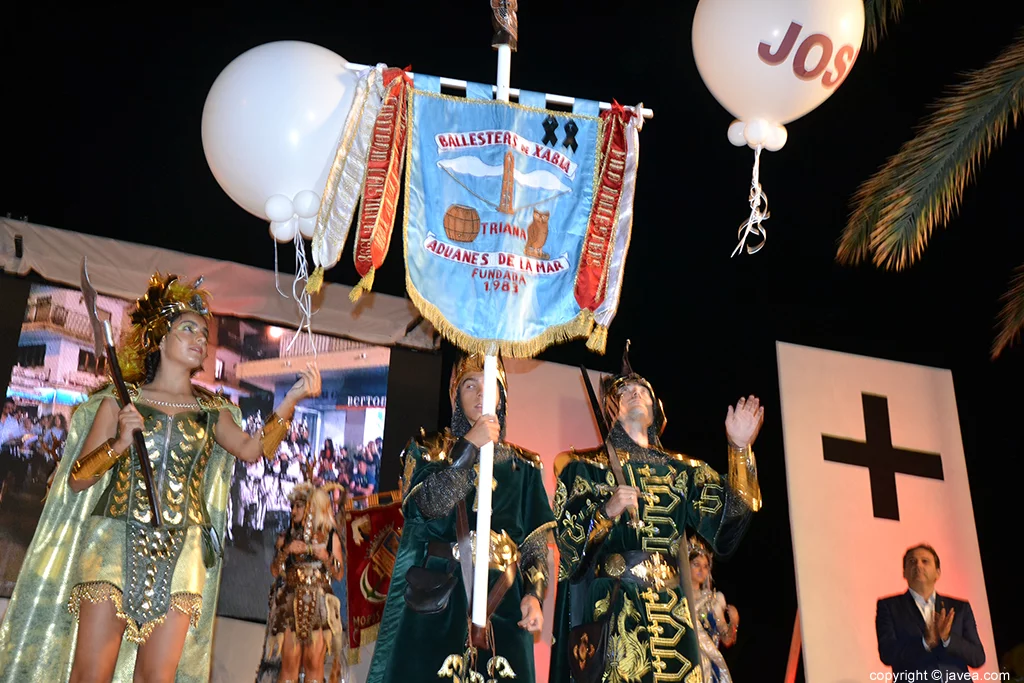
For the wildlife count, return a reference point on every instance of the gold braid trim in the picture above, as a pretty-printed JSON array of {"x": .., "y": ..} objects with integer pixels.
[
  {"x": 189, "y": 604},
  {"x": 273, "y": 433}
]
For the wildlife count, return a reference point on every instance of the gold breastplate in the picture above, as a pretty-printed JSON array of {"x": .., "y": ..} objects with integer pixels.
[{"x": 179, "y": 450}]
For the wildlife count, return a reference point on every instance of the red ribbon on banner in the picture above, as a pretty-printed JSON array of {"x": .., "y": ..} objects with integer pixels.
[
  {"x": 383, "y": 180},
  {"x": 592, "y": 273}
]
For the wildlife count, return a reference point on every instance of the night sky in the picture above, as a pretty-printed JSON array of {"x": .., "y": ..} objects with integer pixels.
[{"x": 102, "y": 114}]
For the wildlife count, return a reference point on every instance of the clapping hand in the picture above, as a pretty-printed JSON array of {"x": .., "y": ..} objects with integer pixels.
[{"x": 940, "y": 627}]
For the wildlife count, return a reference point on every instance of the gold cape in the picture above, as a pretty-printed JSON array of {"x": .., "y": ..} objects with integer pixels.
[{"x": 38, "y": 633}]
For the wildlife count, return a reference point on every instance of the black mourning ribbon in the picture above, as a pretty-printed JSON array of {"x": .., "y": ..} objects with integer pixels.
[
  {"x": 550, "y": 126},
  {"x": 570, "y": 134}
]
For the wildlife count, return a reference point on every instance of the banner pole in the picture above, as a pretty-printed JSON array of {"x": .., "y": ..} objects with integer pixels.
[
  {"x": 483, "y": 498},
  {"x": 490, "y": 403},
  {"x": 504, "y": 72}
]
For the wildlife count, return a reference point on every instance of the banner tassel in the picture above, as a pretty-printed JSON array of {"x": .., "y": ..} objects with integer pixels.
[
  {"x": 598, "y": 339},
  {"x": 364, "y": 285},
  {"x": 316, "y": 281}
]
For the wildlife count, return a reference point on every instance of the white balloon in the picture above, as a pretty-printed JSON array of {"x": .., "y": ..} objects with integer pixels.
[
  {"x": 736, "y": 133},
  {"x": 279, "y": 208},
  {"x": 284, "y": 231},
  {"x": 307, "y": 226},
  {"x": 775, "y": 59},
  {"x": 272, "y": 119},
  {"x": 307, "y": 204},
  {"x": 756, "y": 132},
  {"x": 777, "y": 136}
]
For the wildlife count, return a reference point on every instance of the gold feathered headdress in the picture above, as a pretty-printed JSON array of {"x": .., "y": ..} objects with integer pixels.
[{"x": 166, "y": 298}]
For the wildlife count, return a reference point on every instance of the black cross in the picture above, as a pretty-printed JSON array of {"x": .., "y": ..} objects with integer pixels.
[{"x": 881, "y": 458}]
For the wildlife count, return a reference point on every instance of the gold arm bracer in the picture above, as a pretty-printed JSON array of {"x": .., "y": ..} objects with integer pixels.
[
  {"x": 743, "y": 476},
  {"x": 273, "y": 433},
  {"x": 96, "y": 463}
]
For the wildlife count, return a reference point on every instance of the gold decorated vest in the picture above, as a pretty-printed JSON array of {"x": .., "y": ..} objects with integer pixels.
[{"x": 179, "y": 448}]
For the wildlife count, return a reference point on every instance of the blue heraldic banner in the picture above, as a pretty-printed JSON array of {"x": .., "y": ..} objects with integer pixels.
[{"x": 499, "y": 200}]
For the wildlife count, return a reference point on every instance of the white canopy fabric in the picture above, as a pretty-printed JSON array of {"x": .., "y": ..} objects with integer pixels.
[{"x": 122, "y": 269}]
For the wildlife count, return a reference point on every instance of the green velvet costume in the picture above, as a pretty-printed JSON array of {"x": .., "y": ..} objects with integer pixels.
[
  {"x": 83, "y": 548},
  {"x": 413, "y": 646},
  {"x": 651, "y": 638}
]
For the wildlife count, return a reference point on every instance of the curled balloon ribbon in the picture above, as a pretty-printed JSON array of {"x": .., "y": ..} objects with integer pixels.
[
  {"x": 758, "y": 211},
  {"x": 301, "y": 296}
]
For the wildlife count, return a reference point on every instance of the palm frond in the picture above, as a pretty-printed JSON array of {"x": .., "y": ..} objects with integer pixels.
[
  {"x": 877, "y": 15},
  {"x": 920, "y": 188},
  {"x": 1011, "y": 317}
]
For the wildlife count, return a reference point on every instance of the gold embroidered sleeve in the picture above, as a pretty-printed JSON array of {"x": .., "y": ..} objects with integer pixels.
[{"x": 743, "y": 476}]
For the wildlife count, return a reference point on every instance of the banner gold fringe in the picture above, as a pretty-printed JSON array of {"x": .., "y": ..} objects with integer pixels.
[
  {"x": 366, "y": 636},
  {"x": 315, "y": 281},
  {"x": 364, "y": 285},
  {"x": 580, "y": 326},
  {"x": 598, "y": 339}
]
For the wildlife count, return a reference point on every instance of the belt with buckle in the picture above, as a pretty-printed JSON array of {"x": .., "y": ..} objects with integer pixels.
[
  {"x": 647, "y": 569},
  {"x": 503, "y": 552}
]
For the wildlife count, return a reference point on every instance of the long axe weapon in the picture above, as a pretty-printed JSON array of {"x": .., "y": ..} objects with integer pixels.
[{"x": 104, "y": 342}]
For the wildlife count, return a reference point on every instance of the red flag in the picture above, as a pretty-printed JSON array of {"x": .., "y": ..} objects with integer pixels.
[{"x": 371, "y": 544}]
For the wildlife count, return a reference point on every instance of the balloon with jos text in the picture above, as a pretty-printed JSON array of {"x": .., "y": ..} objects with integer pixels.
[
  {"x": 271, "y": 125},
  {"x": 769, "y": 62}
]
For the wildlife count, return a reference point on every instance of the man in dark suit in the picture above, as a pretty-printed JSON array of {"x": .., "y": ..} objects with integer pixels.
[{"x": 922, "y": 631}]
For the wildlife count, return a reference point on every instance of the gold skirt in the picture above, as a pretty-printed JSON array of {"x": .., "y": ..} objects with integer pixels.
[{"x": 100, "y": 575}]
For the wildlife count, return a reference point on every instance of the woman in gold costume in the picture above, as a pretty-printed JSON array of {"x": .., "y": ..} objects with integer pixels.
[
  {"x": 305, "y": 615},
  {"x": 716, "y": 621},
  {"x": 97, "y": 557}
]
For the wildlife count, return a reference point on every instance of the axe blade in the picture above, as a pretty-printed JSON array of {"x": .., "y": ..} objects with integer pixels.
[{"x": 89, "y": 294}]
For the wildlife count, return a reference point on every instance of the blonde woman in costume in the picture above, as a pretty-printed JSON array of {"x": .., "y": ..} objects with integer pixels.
[
  {"x": 96, "y": 557},
  {"x": 716, "y": 621},
  {"x": 305, "y": 615}
]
